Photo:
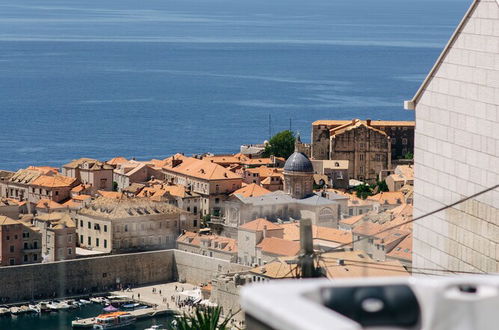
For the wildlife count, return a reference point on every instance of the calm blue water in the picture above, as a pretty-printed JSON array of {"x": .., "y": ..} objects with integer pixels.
[
  {"x": 61, "y": 320},
  {"x": 149, "y": 78}
]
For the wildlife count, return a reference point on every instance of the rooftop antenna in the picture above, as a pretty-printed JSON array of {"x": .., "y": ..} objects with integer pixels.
[{"x": 270, "y": 127}]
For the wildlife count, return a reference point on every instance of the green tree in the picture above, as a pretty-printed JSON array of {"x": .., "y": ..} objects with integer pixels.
[
  {"x": 409, "y": 155},
  {"x": 208, "y": 318},
  {"x": 281, "y": 145},
  {"x": 115, "y": 186},
  {"x": 382, "y": 186},
  {"x": 363, "y": 190}
]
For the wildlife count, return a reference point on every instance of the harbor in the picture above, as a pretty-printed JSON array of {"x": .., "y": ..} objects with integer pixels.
[{"x": 148, "y": 305}]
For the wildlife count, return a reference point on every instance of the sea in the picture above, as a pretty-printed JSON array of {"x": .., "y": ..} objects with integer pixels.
[
  {"x": 61, "y": 320},
  {"x": 149, "y": 78}
]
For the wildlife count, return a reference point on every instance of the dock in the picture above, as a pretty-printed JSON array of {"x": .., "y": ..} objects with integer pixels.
[{"x": 139, "y": 314}]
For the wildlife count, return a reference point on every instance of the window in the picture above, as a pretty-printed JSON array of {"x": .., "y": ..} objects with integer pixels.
[
  {"x": 378, "y": 157},
  {"x": 195, "y": 209},
  {"x": 217, "y": 200},
  {"x": 103, "y": 183},
  {"x": 81, "y": 239},
  {"x": 96, "y": 242},
  {"x": 15, "y": 237},
  {"x": 12, "y": 261},
  {"x": 35, "y": 245},
  {"x": 188, "y": 209},
  {"x": 350, "y": 212},
  {"x": 56, "y": 193},
  {"x": 7, "y": 238},
  {"x": 105, "y": 243},
  {"x": 404, "y": 141},
  {"x": 195, "y": 223},
  {"x": 35, "y": 257},
  {"x": 126, "y": 227},
  {"x": 12, "y": 248},
  {"x": 105, "y": 228},
  {"x": 70, "y": 251},
  {"x": 89, "y": 225},
  {"x": 81, "y": 223},
  {"x": 26, "y": 245},
  {"x": 70, "y": 238},
  {"x": 90, "y": 241},
  {"x": 394, "y": 140},
  {"x": 25, "y": 258},
  {"x": 217, "y": 188},
  {"x": 361, "y": 157}
]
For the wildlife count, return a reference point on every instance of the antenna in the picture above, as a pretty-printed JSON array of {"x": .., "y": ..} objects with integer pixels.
[{"x": 270, "y": 127}]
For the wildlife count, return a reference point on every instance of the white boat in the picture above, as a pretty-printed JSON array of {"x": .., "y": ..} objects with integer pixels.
[
  {"x": 34, "y": 308},
  {"x": 156, "y": 327},
  {"x": 44, "y": 306},
  {"x": 63, "y": 305},
  {"x": 4, "y": 311},
  {"x": 19, "y": 310},
  {"x": 114, "y": 320},
  {"x": 84, "y": 301},
  {"x": 97, "y": 300}
]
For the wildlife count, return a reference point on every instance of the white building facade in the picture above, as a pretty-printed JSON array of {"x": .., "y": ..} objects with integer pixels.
[{"x": 457, "y": 149}]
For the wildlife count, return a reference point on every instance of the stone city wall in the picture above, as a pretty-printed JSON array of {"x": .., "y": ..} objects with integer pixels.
[
  {"x": 80, "y": 276},
  {"x": 195, "y": 268}
]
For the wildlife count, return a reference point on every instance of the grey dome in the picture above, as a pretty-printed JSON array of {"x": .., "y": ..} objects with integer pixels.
[{"x": 298, "y": 162}]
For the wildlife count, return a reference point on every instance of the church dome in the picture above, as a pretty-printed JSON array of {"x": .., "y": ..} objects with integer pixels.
[{"x": 298, "y": 162}]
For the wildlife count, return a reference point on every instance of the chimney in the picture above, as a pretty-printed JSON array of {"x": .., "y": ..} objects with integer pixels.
[
  {"x": 341, "y": 262},
  {"x": 264, "y": 231},
  {"x": 176, "y": 162},
  {"x": 368, "y": 122}
]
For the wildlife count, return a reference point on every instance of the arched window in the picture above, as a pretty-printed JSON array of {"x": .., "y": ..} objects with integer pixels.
[{"x": 325, "y": 215}]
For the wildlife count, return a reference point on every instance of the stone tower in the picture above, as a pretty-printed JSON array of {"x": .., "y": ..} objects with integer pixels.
[{"x": 298, "y": 176}]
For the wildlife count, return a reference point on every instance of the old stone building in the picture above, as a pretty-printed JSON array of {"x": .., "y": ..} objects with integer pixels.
[
  {"x": 367, "y": 149},
  {"x": 297, "y": 201},
  {"x": 208, "y": 245},
  {"x": 90, "y": 171},
  {"x": 58, "y": 233},
  {"x": 211, "y": 181},
  {"x": 20, "y": 243},
  {"x": 457, "y": 149},
  {"x": 126, "y": 225},
  {"x": 401, "y": 135}
]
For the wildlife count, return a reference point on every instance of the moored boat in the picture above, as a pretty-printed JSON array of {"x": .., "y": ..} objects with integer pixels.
[
  {"x": 114, "y": 320},
  {"x": 4, "y": 310}
]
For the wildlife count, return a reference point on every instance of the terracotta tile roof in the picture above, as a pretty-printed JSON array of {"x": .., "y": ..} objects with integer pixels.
[
  {"x": 251, "y": 190},
  {"x": 332, "y": 234},
  {"x": 8, "y": 202},
  {"x": 110, "y": 194},
  {"x": 80, "y": 188},
  {"x": 123, "y": 208},
  {"x": 82, "y": 197},
  {"x": 336, "y": 265},
  {"x": 352, "y": 220},
  {"x": 201, "y": 169},
  {"x": 388, "y": 197},
  {"x": 264, "y": 171},
  {"x": 367, "y": 228},
  {"x": 71, "y": 204},
  {"x": 405, "y": 171},
  {"x": 215, "y": 242},
  {"x": 259, "y": 225},
  {"x": 117, "y": 161},
  {"x": 257, "y": 162},
  {"x": 5, "y": 221},
  {"x": 373, "y": 123},
  {"x": 56, "y": 181},
  {"x": 48, "y": 204},
  {"x": 291, "y": 232},
  {"x": 93, "y": 164},
  {"x": 157, "y": 191},
  {"x": 24, "y": 176},
  {"x": 403, "y": 250},
  {"x": 359, "y": 264},
  {"x": 46, "y": 170},
  {"x": 279, "y": 246},
  {"x": 57, "y": 220},
  {"x": 352, "y": 125}
]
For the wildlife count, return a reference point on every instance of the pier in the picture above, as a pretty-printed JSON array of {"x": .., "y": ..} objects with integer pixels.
[{"x": 146, "y": 296}]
